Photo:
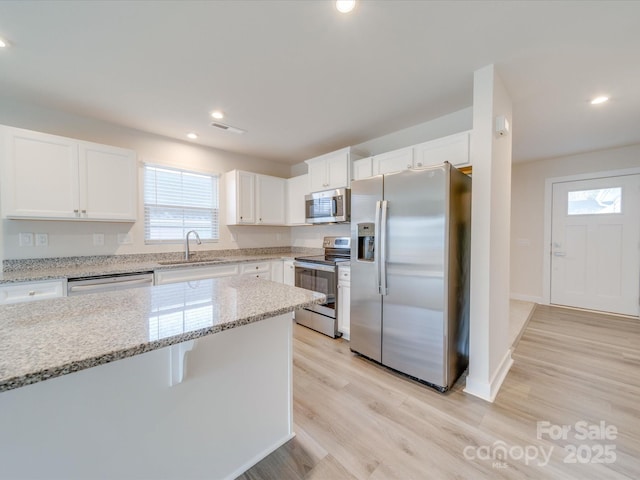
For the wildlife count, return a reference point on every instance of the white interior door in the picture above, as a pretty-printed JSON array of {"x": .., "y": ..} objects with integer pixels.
[{"x": 595, "y": 239}]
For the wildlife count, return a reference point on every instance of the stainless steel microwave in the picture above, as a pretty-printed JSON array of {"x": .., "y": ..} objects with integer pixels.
[{"x": 328, "y": 206}]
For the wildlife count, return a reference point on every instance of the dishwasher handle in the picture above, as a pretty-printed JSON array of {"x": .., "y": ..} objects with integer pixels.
[{"x": 96, "y": 287}]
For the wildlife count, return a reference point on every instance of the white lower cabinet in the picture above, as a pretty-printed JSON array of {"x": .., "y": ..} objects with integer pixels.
[
  {"x": 32, "y": 291},
  {"x": 277, "y": 271},
  {"x": 268, "y": 270},
  {"x": 344, "y": 301},
  {"x": 256, "y": 270},
  {"x": 162, "y": 277},
  {"x": 289, "y": 274}
]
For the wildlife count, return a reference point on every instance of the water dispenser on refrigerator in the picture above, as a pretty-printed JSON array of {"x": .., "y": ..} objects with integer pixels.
[{"x": 366, "y": 242}]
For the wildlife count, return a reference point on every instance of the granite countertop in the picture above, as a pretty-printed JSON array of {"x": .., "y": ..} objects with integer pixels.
[
  {"x": 51, "y": 269},
  {"x": 47, "y": 339}
]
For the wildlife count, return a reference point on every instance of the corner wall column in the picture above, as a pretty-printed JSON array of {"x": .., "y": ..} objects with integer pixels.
[{"x": 489, "y": 349}]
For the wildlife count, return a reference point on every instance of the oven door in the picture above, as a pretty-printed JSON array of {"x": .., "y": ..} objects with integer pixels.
[{"x": 319, "y": 278}]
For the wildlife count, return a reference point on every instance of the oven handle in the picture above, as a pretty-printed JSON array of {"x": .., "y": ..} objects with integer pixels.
[{"x": 315, "y": 266}]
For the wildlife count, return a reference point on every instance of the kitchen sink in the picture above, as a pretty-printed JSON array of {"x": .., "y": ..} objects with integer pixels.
[{"x": 190, "y": 261}]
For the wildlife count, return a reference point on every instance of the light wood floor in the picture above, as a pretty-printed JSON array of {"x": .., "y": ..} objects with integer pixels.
[{"x": 355, "y": 419}]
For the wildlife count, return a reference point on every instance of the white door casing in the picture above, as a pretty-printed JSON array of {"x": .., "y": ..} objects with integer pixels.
[{"x": 594, "y": 254}]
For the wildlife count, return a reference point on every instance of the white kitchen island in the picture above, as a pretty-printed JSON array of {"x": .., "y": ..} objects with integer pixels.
[{"x": 189, "y": 380}]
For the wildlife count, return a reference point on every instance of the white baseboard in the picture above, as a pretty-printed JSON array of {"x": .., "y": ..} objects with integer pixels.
[
  {"x": 260, "y": 456},
  {"x": 345, "y": 334},
  {"x": 527, "y": 298},
  {"x": 488, "y": 390}
]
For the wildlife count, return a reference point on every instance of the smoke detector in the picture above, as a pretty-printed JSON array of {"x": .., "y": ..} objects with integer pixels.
[{"x": 228, "y": 128}]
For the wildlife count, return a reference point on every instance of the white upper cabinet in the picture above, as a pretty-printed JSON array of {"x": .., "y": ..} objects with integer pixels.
[
  {"x": 271, "y": 195},
  {"x": 394, "y": 161},
  {"x": 297, "y": 188},
  {"x": 108, "y": 177},
  {"x": 362, "y": 168},
  {"x": 453, "y": 149},
  {"x": 241, "y": 197},
  {"x": 332, "y": 170},
  {"x": 254, "y": 199},
  {"x": 51, "y": 177}
]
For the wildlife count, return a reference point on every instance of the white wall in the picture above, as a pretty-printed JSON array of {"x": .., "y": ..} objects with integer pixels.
[
  {"x": 75, "y": 238},
  {"x": 311, "y": 236},
  {"x": 439, "y": 127},
  {"x": 528, "y": 203}
]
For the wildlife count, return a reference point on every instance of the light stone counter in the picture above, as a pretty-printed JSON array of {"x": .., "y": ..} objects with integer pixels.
[
  {"x": 47, "y": 339},
  {"x": 79, "y": 267}
]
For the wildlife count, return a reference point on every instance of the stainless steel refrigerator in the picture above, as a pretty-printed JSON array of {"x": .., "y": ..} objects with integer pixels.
[{"x": 410, "y": 243}]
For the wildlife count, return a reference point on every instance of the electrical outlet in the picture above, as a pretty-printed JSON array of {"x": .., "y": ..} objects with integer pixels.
[
  {"x": 42, "y": 240},
  {"x": 125, "y": 239},
  {"x": 98, "y": 239},
  {"x": 25, "y": 239}
]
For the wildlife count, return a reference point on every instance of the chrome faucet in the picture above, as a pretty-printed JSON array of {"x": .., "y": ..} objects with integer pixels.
[{"x": 186, "y": 242}]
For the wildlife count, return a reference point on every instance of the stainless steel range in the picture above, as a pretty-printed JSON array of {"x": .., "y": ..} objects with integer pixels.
[{"x": 320, "y": 273}]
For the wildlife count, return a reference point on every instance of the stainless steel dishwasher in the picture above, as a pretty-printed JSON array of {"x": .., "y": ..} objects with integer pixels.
[{"x": 108, "y": 283}]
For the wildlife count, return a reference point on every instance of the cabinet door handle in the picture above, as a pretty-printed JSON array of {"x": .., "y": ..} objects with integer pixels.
[
  {"x": 408, "y": 165},
  {"x": 419, "y": 164},
  {"x": 32, "y": 293},
  {"x": 84, "y": 211}
]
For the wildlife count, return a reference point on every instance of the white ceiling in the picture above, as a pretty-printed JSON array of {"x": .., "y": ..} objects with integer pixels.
[{"x": 303, "y": 79}]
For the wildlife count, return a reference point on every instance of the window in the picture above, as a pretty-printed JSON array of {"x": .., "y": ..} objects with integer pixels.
[
  {"x": 176, "y": 201},
  {"x": 590, "y": 202}
]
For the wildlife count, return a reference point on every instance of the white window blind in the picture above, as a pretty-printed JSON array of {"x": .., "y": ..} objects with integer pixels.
[{"x": 176, "y": 201}]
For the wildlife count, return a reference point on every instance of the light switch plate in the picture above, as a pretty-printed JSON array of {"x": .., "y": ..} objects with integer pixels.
[
  {"x": 25, "y": 239},
  {"x": 42, "y": 240}
]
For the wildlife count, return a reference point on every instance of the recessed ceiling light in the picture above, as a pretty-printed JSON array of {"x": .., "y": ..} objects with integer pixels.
[
  {"x": 3, "y": 43},
  {"x": 345, "y": 6},
  {"x": 192, "y": 136},
  {"x": 217, "y": 114},
  {"x": 598, "y": 100}
]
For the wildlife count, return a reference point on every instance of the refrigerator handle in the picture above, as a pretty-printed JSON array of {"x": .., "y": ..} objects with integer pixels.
[
  {"x": 376, "y": 247},
  {"x": 383, "y": 247}
]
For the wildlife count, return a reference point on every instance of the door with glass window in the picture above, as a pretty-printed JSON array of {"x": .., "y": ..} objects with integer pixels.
[{"x": 595, "y": 235}]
